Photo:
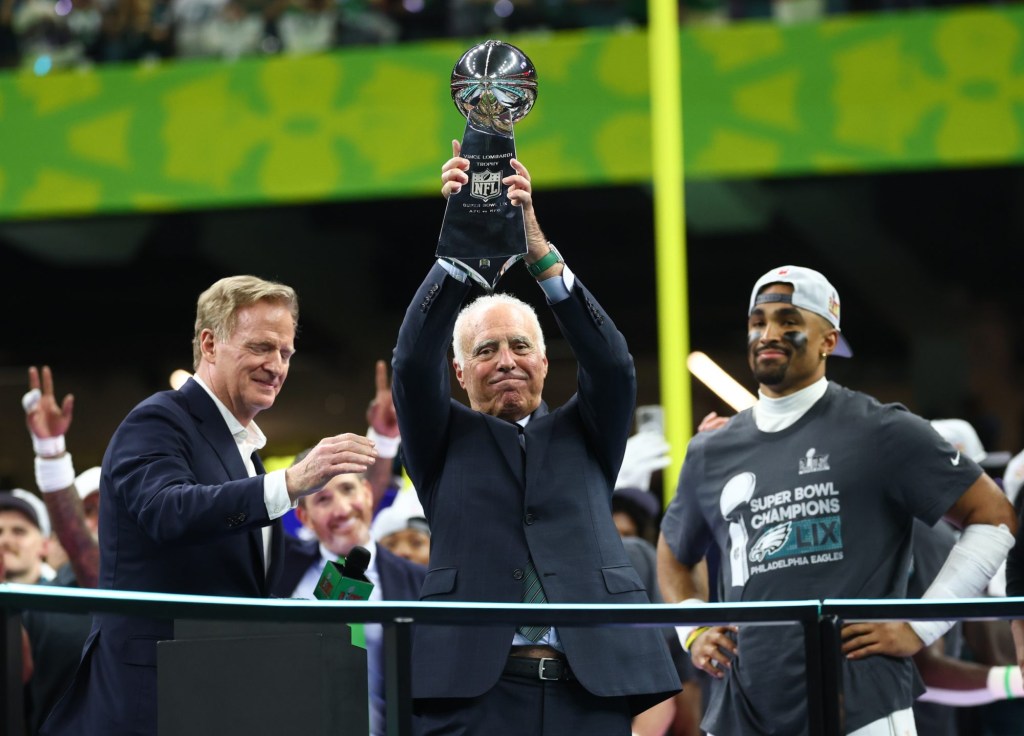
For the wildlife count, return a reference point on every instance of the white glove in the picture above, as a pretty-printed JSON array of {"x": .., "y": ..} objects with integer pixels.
[{"x": 646, "y": 452}]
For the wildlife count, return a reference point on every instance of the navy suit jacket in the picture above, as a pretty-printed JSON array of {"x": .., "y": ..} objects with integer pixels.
[
  {"x": 489, "y": 511},
  {"x": 178, "y": 514}
]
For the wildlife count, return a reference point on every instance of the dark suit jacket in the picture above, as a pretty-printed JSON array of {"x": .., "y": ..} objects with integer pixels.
[
  {"x": 178, "y": 514},
  {"x": 487, "y": 516}
]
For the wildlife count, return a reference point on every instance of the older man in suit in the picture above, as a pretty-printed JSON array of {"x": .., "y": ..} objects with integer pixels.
[
  {"x": 518, "y": 500},
  {"x": 186, "y": 506}
]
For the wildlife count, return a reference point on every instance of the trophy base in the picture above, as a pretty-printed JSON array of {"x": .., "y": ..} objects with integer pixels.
[
  {"x": 482, "y": 231},
  {"x": 486, "y": 272}
]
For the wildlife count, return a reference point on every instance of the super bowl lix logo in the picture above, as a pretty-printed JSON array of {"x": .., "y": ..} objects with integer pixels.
[{"x": 485, "y": 185}]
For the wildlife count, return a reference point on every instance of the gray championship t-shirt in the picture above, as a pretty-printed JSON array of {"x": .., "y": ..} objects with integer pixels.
[{"x": 821, "y": 509}]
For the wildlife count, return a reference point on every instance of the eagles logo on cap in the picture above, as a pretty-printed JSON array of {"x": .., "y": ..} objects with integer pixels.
[{"x": 833, "y": 305}]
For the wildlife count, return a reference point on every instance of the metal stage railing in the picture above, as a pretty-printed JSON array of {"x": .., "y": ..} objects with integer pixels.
[{"x": 820, "y": 620}]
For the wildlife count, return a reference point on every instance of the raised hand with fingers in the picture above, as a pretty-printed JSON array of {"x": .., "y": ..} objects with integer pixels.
[
  {"x": 44, "y": 417},
  {"x": 520, "y": 192},
  {"x": 47, "y": 422},
  {"x": 381, "y": 415}
]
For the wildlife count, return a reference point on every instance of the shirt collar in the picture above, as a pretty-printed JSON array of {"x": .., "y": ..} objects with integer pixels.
[
  {"x": 784, "y": 410},
  {"x": 251, "y": 435}
]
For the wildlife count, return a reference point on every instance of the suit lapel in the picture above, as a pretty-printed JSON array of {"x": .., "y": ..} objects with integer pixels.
[
  {"x": 213, "y": 428},
  {"x": 506, "y": 436},
  {"x": 538, "y": 439},
  {"x": 538, "y": 435}
]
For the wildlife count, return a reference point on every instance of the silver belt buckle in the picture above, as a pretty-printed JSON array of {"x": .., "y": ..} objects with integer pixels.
[{"x": 540, "y": 667}]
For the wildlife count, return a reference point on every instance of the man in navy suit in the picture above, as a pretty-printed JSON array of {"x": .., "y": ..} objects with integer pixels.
[
  {"x": 514, "y": 491},
  {"x": 186, "y": 506}
]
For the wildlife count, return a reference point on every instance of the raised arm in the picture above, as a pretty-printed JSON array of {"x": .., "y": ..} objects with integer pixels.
[
  {"x": 48, "y": 423},
  {"x": 383, "y": 421},
  {"x": 421, "y": 383}
]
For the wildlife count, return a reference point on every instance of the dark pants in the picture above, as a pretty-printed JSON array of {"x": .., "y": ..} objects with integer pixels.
[{"x": 524, "y": 707}]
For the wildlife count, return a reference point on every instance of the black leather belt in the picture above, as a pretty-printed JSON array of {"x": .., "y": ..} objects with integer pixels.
[{"x": 545, "y": 668}]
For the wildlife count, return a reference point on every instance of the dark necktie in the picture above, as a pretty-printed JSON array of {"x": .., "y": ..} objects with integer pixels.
[{"x": 532, "y": 590}]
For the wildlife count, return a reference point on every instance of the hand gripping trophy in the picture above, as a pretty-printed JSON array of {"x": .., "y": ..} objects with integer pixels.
[{"x": 494, "y": 85}]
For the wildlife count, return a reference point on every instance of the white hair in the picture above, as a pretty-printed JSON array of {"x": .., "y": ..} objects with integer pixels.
[{"x": 469, "y": 319}]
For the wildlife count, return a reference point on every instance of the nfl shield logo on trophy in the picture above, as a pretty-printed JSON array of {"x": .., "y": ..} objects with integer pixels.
[{"x": 485, "y": 185}]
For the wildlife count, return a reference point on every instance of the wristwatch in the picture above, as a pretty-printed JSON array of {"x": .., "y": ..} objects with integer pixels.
[{"x": 553, "y": 257}]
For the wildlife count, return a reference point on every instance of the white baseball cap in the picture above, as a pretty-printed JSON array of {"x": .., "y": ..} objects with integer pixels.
[
  {"x": 38, "y": 506},
  {"x": 962, "y": 436},
  {"x": 811, "y": 291},
  {"x": 405, "y": 513},
  {"x": 88, "y": 482}
]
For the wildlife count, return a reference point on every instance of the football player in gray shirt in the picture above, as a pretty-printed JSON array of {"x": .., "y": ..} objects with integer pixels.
[{"x": 811, "y": 494}]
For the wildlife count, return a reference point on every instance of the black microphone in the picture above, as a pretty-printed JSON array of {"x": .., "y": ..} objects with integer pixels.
[
  {"x": 346, "y": 580},
  {"x": 356, "y": 563}
]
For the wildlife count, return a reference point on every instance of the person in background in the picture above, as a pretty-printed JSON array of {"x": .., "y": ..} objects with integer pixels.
[
  {"x": 22, "y": 541},
  {"x": 635, "y": 512},
  {"x": 339, "y": 516},
  {"x": 383, "y": 432},
  {"x": 54, "y": 639},
  {"x": 402, "y": 528},
  {"x": 635, "y": 509},
  {"x": 87, "y": 486},
  {"x": 27, "y": 665},
  {"x": 964, "y": 437},
  {"x": 48, "y": 422},
  {"x": 55, "y": 556}
]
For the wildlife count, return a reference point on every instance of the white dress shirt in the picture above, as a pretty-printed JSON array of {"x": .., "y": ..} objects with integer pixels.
[{"x": 249, "y": 440}]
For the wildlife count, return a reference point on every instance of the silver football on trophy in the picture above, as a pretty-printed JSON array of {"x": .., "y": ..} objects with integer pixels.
[{"x": 494, "y": 85}]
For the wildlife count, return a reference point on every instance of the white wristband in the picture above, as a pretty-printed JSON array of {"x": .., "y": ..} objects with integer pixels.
[
  {"x": 387, "y": 447},
  {"x": 55, "y": 473},
  {"x": 684, "y": 631},
  {"x": 1002, "y": 683},
  {"x": 1006, "y": 683},
  {"x": 49, "y": 446},
  {"x": 930, "y": 631}
]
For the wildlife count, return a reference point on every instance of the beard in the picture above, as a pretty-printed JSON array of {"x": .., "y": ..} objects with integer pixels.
[
  {"x": 773, "y": 374},
  {"x": 770, "y": 375}
]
